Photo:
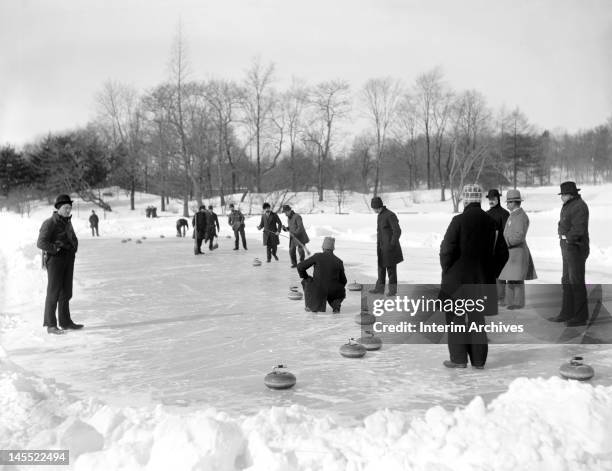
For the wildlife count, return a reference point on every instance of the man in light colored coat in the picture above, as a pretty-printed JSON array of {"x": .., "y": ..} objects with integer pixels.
[{"x": 519, "y": 266}]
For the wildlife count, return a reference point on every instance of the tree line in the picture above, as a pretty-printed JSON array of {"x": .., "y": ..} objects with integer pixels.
[{"x": 195, "y": 139}]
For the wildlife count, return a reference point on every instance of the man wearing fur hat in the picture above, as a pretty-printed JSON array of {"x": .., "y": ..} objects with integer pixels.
[
  {"x": 388, "y": 249},
  {"x": 59, "y": 244},
  {"x": 327, "y": 282},
  {"x": 519, "y": 266},
  {"x": 298, "y": 238},
  {"x": 573, "y": 233}
]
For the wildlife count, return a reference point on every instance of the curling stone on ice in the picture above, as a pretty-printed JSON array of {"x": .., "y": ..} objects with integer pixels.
[
  {"x": 280, "y": 378},
  {"x": 123, "y": 241},
  {"x": 256, "y": 262},
  {"x": 162, "y": 236},
  {"x": 354, "y": 286},
  {"x": 364, "y": 317},
  {"x": 138, "y": 241},
  {"x": 143, "y": 237},
  {"x": 352, "y": 349},
  {"x": 575, "y": 369},
  {"x": 294, "y": 294},
  {"x": 370, "y": 341}
]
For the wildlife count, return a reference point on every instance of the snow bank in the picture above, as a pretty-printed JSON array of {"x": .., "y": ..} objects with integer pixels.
[{"x": 544, "y": 424}]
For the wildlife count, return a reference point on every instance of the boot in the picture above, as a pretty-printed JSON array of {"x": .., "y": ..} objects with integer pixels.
[{"x": 509, "y": 298}]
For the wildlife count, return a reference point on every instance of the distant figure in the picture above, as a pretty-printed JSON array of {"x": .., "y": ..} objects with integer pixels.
[
  {"x": 388, "y": 249},
  {"x": 298, "y": 236},
  {"x": 271, "y": 225},
  {"x": 519, "y": 266},
  {"x": 574, "y": 239},
  {"x": 212, "y": 227},
  {"x": 198, "y": 223},
  {"x": 59, "y": 244},
  {"x": 93, "y": 223},
  {"x": 181, "y": 227},
  {"x": 500, "y": 215},
  {"x": 236, "y": 221},
  {"x": 327, "y": 282}
]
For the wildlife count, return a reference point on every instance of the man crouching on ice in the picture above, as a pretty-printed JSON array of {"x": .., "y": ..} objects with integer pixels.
[{"x": 328, "y": 280}]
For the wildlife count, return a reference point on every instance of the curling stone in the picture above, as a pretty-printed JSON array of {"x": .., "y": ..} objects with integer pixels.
[
  {"x": 577, "y": 370},
  {"x": 352, "y": 349},
  {"x": 295, "y": 295},
  {"x": 123, "y": 241},
  {"x": 228, "y": 236},
  {"x": 354, "y": 286},
  {"x": 370, "y": 341},
  {"x": 293, "y": 287},
  {"x": 143, "y": 237},
  {"x": 138, "y": 241},
  {"x": 365, "y": 318},
  {"x": 256, "y": 262},
  {"x": 280, "y": 378},
  {"x": 162, "y": 236},
  {"x": 215, "y": 246}
]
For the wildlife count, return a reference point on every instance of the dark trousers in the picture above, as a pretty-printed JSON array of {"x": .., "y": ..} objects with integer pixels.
[
  {"x": 60, "y": 270},
  {"x": 574, "y": 289},
  {"x": 315, "y": 296},
  {"x": 181, "y": 231},
  {"x": 94, "y": 230},
  {"x": 464, "y": 345},
  {"x": 293, "y": 256},
  {"x": 382, "y": 274},
  {"x": 237, "y": 234},
  {"x": 198, "y": 245},
  {"x": 271, "y": 250},
  {"x": 501, "y": 290}
]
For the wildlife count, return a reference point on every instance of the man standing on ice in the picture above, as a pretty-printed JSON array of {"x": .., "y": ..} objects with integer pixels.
[
  {"x": 93, "y": 223},
  {"x": 199, "y": 229},
  {"x": 212, "y": 227},
  {"x": 500, "y": 215},
  {"x": 59, "y": 244},
  {"x": 328, "y": 279},
  {"x": 573, "y": 232},
  {"x": 469, "y": 269},
  {"x": 388, "y": 249},
  {"x": 298, "y": 237},
  {"x": 271, "y": 225},
  {"x": 236, "y": 221}
]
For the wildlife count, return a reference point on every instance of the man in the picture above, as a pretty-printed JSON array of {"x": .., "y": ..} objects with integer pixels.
[
  {"x": 236, "y": 221},
  {"x": 519, "y": 266},
  {"x": 469, "y": 268},
  {"x": 573, "y": 232},
  {"x": 388, "y": 249},
  {"x": 181, "y": 227},
  {"x": 327, "y": 282},
  {"x": 298, "y": 237},
  {"x": 212, "y": 227},
  {"x": 271, "y": 225},
  {"x": 500, "y": 215},
  {"x": 93, "y": 223},
  {"x": 199, "y": 229},
  {"x": 59, "y": 244}
]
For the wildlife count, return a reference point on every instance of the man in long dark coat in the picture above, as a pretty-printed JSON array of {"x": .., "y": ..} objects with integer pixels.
[
  {"x": 327, "y": 282},
  {"x": 59, "y": 244},
  {"x": 573, "y": 233},
  {"x": 388, "y": 249},
  {"x": 271, "y": 225},
  {"x": 93, "y": 223},
  {"x": 212, "y": 227},
  {"x": 199, "y": 229},
  {"x": 236, "y": 221},
  {"x": 469, "y": 269},
  {"x": 500, "y": 215},
  {"x": 296, "y": 229}
]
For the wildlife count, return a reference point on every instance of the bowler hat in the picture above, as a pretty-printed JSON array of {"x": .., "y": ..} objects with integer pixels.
[
  {"x": 286, "y": 208},
  {"x": 569, "y": 188},
  {"x": 266, "y": 205},
  {"x": 513, "y": 195},
  {"x": 202, "y": 207},
  {"x": 61, "y": 200},
  {"x": 376, "y": 203},
  {"x": 494, "y": 193}
]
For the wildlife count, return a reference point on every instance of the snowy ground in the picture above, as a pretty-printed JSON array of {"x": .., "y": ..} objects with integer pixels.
[{"x": 190, "y": 333}]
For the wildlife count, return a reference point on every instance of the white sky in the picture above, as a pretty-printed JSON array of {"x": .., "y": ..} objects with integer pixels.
[{"x": 551, "y": 58}]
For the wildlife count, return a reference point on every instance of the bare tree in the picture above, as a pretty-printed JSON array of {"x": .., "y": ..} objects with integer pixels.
[
  {"x": 406, "y": 134},
  {"x": 381, "y": 97},
  {"x": 294, "y": 102}
]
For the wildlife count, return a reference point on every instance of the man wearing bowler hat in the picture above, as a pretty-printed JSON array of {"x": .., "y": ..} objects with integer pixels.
[
  {"x": 59, "y": 244},
  {"x": 388, "y": 249},
  {"x": 500, "y": 215},
  {"x": 573, "y": 232}
]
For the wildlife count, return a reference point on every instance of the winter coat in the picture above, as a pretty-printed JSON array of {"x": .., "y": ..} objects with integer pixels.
[
  {"x": 295, "y": 226},
  {"x": 468, "y": 257},
  {"x": 236, "y": 219},
  {"x": 271, "y": 224},
  {"x": 57, "y": 237},
  {"x": 181, "y": 222},
  {"x": 500, "y": 216},
  {"x": 328, "y": 279},
  {"x": 388, "y": 232},
  {"x": 199, "y": 224},
  {"x": 574, "y": 224},
  {"x": 520, "y": 264},
  {"x": 212, "y": 225},
  {"x": 93, "y": 220}
]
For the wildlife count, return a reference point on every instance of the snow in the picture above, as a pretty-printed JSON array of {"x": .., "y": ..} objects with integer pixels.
[{"x": 168, "y": 372}]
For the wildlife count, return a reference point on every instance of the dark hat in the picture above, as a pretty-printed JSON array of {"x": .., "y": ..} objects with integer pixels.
[
  {"x": 202, "y": 207},
  {"x": 286, "y": 208},
  {"x": 569, "y": 188},
  {"x": 231, "y": 205},
  {"x": 376, "y": 203},
  {"x": 210, "y": 206},
  {"x": 61, "y": 200},
  {"x": 266, "y": 205},
  {"x": 494, "y": 193}
]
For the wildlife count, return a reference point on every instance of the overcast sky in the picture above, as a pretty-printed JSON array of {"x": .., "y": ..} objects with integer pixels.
[{"x": 551, "y": 58}]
